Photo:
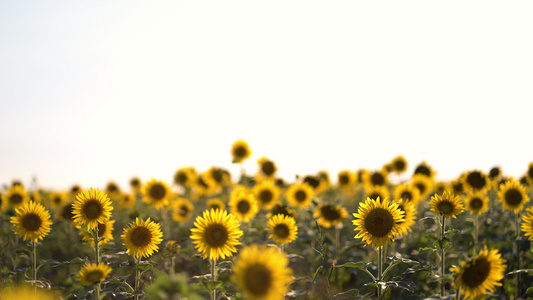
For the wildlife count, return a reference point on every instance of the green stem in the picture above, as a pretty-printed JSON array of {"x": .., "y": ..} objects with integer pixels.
[
  {"x": 380, "y": 270},
  {"x": 517, "y": 254},
  {"x": 214, "y": 277},
  {"x": 34, "y": 261},
  {"x": 458, "y": 293},
  {"x": 137, "y": 276},
  {"x": 97, "y": 254},
  {"x": 443, "y": 257},
  {"x": 476, "y": 233}
]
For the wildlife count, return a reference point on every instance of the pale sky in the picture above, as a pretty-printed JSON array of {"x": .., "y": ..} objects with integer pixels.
[{"x": 92, "y": 91}]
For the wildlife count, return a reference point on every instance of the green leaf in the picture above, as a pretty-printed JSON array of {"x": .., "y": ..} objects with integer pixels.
[
  {"x": 211, "y": 285},
  {"x": 419, "y": 268},
  {"x": 442, "y": 243},
  {"x": 74, "y": 261},
  {"x": 358, "y": 265},
  {"x": 426, "y": 249},
  {"x": 406, "y": 285},
  {"x": 316, "y": 273},
  {"x": 22, "y": 252},
  {"x": 144, "y": 266}
]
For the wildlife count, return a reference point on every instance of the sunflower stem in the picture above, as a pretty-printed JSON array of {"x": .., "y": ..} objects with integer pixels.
[
  {"x": 34, "y": 261},
  {"x": 214, "y": 277},
  {"x": 458, "y": 293},
  {"x": 443, "y": 256},
  {"x": 137, "y": 275},
  {"x": 97, "y": 253},
  {"x": 517, "y": 253},
  {"x": 380, "y": 270},
  {"x": 476, "y": 232},
  {"x": 337, "y": 238}
]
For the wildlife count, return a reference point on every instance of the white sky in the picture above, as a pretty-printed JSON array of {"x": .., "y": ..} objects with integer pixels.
[{"x": 92, "y": 91}]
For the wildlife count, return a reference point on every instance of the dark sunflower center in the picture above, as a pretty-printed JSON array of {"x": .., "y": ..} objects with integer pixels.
[
  {"x": 268, "y": 168},
  {"x": 75, "y": 189},
  {"x": 424, "y": 170},
  {"x": 494, "y": 172},
  {"x": 375, "y": 196},
  {"x": 280, "y": 209},
  {"x": 530, "y": 172},
  {"x": 216, "y": 235},
  {"x": 67, "y": 212},
  {"x": 240, "y": 151},
  {"x": 377, "y": 179},
  {"x": 344, "y": 179},
  {"x": 513, "y": 197},
  {"x": 215, "y": 206},
  {"x": 217, "y": 175},
  {"x": 300, "y": 196},
  {"x": 379, "y": 222},
  {"x": 476, "y": 203},
  {"x": 445, "y": 207},
  {"x": 399, "y": 165},
  {"x": 15, "y": 199},
  {"x": 281, "y": 230},
  {"x": 421, "y": 187},
  {"x": 112, "y": 188},
  {"x": 141, "y": 236},
  {"x": 157, "y": 192},
  {"x": 181, "y": 178},
  {"x": 330, "y": 213},
  {"x": 31, "y": 222},
  {"x": 92, "y": 209},
  {"x": 475, "y": 274},
  {"x": 135, "y": 182},
  {"x": 406, "y": 195},
  {"x": 312, "y": 181},
  {"x": 56, "y": 200},
  {"x": 94, "y": 276},
  {"x": 258, "y": 279},
  {"x": 476, "y": 180},
  {"x": 184, "y": 210},
  {"x": 243, "y": 206},
  {"x": 458, "y": 187},
  {"x": 266, "y": 196}
]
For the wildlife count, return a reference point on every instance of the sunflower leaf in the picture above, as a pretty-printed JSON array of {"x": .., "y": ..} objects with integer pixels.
[
  {"x": 442, "y": 243},
  {"x": 144, "y": 266},
  {"x": 358, "y": 265},
  {"x": 74, "y": 261},
  {"x": 211, "y": 285}
]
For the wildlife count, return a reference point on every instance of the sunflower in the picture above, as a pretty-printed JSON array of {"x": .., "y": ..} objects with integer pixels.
[
  {"x": 377, "y": 221},
  {"x": 266, "y": 193},
  {"x": 399, "y": 164},
  {"x": 262, "y": 273},
  {"x": 156, "y": 193},
  {"x": 105, "y": 230},
  {"x": 26, "y": 291},
  {"x": 126, "y": 200},
  {"x": 181, "y": 210},
  {"x": 476, "y": 180},
  {"x": 186, "y": 177},
  {"x": 409, "y": 217},
  {"x": 243, "y": 205},
  {"x": 215, "y": 203},
  {"x": 527, "y": 225},
  {"x": 217, "y": 177},
  {"x": 240, "y": 151},
  {"x": 425, "y": 169},
  {"x": 423, "y": 183},
  {"x": 481, "y": 274},
  {"x": 376, "y": 191},
  {"x": 16, "y": 196},
  {"x": 495, "y": 173},
  {"x": 345, "y": 179},
  {"x": 112, "y": 189},
  {"x": 440, "y": 187},
  {"x": 142, "y": 238},
  {"x": 375, "y": 178},
  {"x": 135, "y": 184},
  {"x": 513, "y": 195},
  {"x": 32, "y": 221},
  {"x": 267, "y": 167},
  {"x": 66, "y": 213},
  {"x": 457, "y": 186},
  {"x": 35, "y": 196},
  {"x": 324, "y": 181},
  {"x": 407, "y": 192},
  {"x": 477, "y": 202},
  {"x": 58, "y": 199},
  {"x": 92, "y": 207},
  {"x": 282, "y": 209},
  {"x": 529, "y": 173},
  {"x": 93, "y": 273},
  {"x": 216, "y": 234},
  {"x": 328, "y": 215},
  {"x": 447, "y": 205},
  {"x": 312, "y": 181},
  {"x": 283, "y": 229},
  {"x": 3, "y": 204},
  {"x": 300, "y": 195}
]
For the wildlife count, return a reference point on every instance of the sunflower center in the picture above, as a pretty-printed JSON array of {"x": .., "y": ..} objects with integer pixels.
[
  {"x": 530, "y": 172},
  {"x": 445, "y": 207},
  {"x": 157, "y": 192},
  {"x": 424, "y": 170},
  {"x": 31, "y": 222},
  {"x": 300, "y": 196},
  {"x": 343, "y": 179},
  {"x": 67, "y": 212},
  {"x": 215, "y": 206},
  {"x": 268, "y": 168},
  {"x": 94, "y": 276},
  {"x": 476, "y": 203},
  {"x": 379, "y": 222},
  {"x": 216, "y": 235},
  {"x": 15, "y": 199},
  {"x": 135, "y": 182},
  {"x": 243, "y": 206},
  {"x": 280, "y": 209},
  {"x": 476, "y": 180},
  {"x": 56, "y": 200},
  {"x": 421, "y": 187},
  {"x": 184, "y": 210},
  {"x": 375, "y": 196},
  {"x": 112, "y": 188},
  {"x": 377, "y": 179},
  {"x": 92, "y": 209},
  {"x": 258, "y": 279},
  {"x": 141, "y": 236},
  {"x": 265, "y": 196},
  {"x": 312, "y": 181},
  {"x": 399, "y": 165},
  {"x": 181, "y": 178},
  {"x": 406, "y": 195},
  {"x": 240, "y": 151},
  {"x": 475, "y": 274},
  {"x": 281, "y": 230},
  {"x": 330, "y": 213},
  {"x": 513, "y": 197},
  {"x": 217, "y": 175}
]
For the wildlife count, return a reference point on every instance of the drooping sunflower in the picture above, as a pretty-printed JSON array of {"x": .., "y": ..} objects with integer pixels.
[
  {"x": 266, "y": 193},
  {"x": 513, "y": 195},
  {"x": 476, "y": 202},
  {"x": 425, "y": 169},
  {"x": 16, "y": 196},
  {"x": 215, "y": 203},
  {"x": 181, "y": 210},
  {"x": 186, "y": 177},
  {"x": 345, "y": 179},
  {"x": 424, "y": 184},
  {"x": 242, "y": 205},
  {"x": 267, "y": 167},
  {"x": 283, "y": 229},
  {"x": 216, "y": 234},
  {"x": 481, "y": 274},
  {"x": 377, "y": 221},
  {"x": 328, "y": 215},
  {"x": 93, "y": 273},
  {"x": 127, "y": 200},
  {"x": 262, "y": 273},
  {"x": 156, "y": 193},
  {"x": 447, "y": 205},
  {"x": 399, "y": 164},
  {"x": 142, "y": 237},
  {"x": 407, "y": 192},
  {"x": 300, "y": 195},
  {"x": 240, "y": 151},
  {"x": 105, "y": 230},
  {"x": 31, "y": 221},
  {"x": 91, "y": 208},
  {"x": 409, "y": 217},
  {"x": 376, "y": 191},
  {"x": 476, "y": 180},
  {"x": 527, "y": 223}
]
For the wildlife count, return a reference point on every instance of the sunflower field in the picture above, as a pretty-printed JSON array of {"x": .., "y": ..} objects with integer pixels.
[{"x": 358, "y": 234}]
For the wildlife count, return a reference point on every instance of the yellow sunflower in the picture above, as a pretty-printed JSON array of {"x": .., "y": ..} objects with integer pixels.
[
  {"x": 217, "y": 177},
  {"x": 328, "y": 215},
  {"x": 266, "y": 193},
  {"x": 399, "y": 164},
  {"x": 513, "y": 195},
  {"x": 105, "y": 230},
  {"x": 527, "y": 225},
  {"x": 267, "y": 167},
  {"x": 282, "y": 209},
  {"x": 376, "y": 191},
  {"x": 447, "y": 205},
  {"x": 186, "y": 177},
  {"x": 377, "y": 221},
  {"x": 93, "y": 273},
  {"x": 216, "y": 203},
  {"x": 66, "y": 213},
  {"x": 3, "y": 204},
  {"x": 26, "y": 291},
  {"x": 283, "y": 229},
  {"x": 112, "y": 189},
  {"x": 457, "y": 186},
  {"x": 495, "y": 173},
  {"x": 135, "y": 184},
  {"x": 476, "y": 180},
  {"x": 126, "y": 200},
  {"x": 32, "y": 221},
  {"x": 262, "y": 273},
  {"x": 156, "y": 193},
  {"x": 409, "y": 217},
  {"x": 529, "y": 173},
  {"x": 345, "y": 179},
  {"x": 16, "y": 196},
  {"x": 243, "y": 205},
  {"x": 181, "y": 210},
  {"x": 58, "y": 199},
  {"x": 481, "y": 274},
  {"x": 375, "y": 178},
  {"x": 408, "y": 192},
  {"x": 142, "y": 238},
  {"x": 424, "y": 169},
  {"x": 91, "y": 208},
  {"x": 240, "y": 151},
  {"x": 324, "y": 181},
  {"x": 423, "y": 183},
  {"x": 216, "y": 234},
  {"x": 477, "y": 202},
  {"x": 300, "y": 195}
]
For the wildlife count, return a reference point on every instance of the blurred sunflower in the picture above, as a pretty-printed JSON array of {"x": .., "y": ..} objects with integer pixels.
[
  {"x": 26, "y": 292},
  {"x": 92, "y": 207},
  {"x": 186, "y": 177},
  {"x": 481, "y": 274},
  {"x": 529, "y": 173},
  {"x": 409, "y": 217},
  {"x": 399, "y": 164},
  {"x": 217, "y": 177},
  {"x": 377, "y": 222},
  {"x": 112, "y": 189},
  {"x": 35, "y": 196},
  {"x": 328, "y": 215},
  {"x": 300, "y": 195},
  {"x": 243, "y": 205},
  {"x": 323, "y": 181},
  {"x": 312, "y": 181},
  {"x": 215, "y": 203},
  {"x": 240, "y": 151},
  {"x": 495, "y": 173},
  {"x": 216, "y": 234},
  {"x": 424, "y": 185},
  {"x": 281, "y": 209},
  {"x": 345, "y": 179},
  {"x": 181, "y": 210},
  {"x": 105, "y": 230},
  {"x": 3, "y": 204},
  {"x": 440, "y": 187},
  {"x": 266, "y": 193},
  {"x": 267, "y": 167},
  {"x": 126, "y": 200},
  {"x": 262, "y": 273},
  {"x": 457, "y": 186},
  {"x": 16, "y": 196},
  {"x": 447, "y": 205},
  {"x": 513, "y": 195},
  {"x": 135, "y": 184},
  {"x": 31, "y": 221},
  {"x": 142, "y": 237},
  {"x": 66, "y": 213},
  {"x": 527, "y": 223},
  {"x": 476, "y": 180},
  {"x": 58, "y": 199},
  {"x": 283, "y": 229},
  {"x": 376, "y": 191},
  {"x": 375, "y": 178},
  {"x": 425, "y": 169},
  {"x": 156, "y": 193},
  {"x": 93, "y": 273},
  {"x": 476, "y": 202},
  {"x": 408, "y": 192}
]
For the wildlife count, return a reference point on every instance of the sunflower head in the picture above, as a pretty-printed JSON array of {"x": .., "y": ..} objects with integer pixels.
[
  {"x": 112, "y": 189},
  {"x": 216, "y": 234},
  {"x": 377, "y": 221},
  {"x": 135, "y": 184},
  {"x": 399, "y": 164},
  {"x": 243, "y": 205},
  {"x": 240, "y": 151},
  {"x": 216, "y": 203},
  {"x": 447, "y": 205},
  {"x": 32, "y": 221},
  {"x": 495, "y": 173},
  {"x": 513, "y": 195},
  {"x": 127, "y": 200},
  {"x": 186, "y": 177},
  {"x": 16, "y": 196},
  {"x": 26, "y": 291},
  {"x": 476, "y": 202},
  {"x": 527, "y": 223},
  {"x": 375, "y": 178},
  {"x": 266, "y": 193},
  {"x": 476, "y": 180},
  {"x": 91, "y": 208},
  {"x": 376, "y": 191},
  {"x": 142, "y": 238},
  {"x": 423, "y": 183},
  {"x": 409, "y": 217},
  {"x": 105, "y": 230},
  {"x": 267, "y": 167},
  {"x": 156, "y": 193},
  {"x": 328, "y": 215},
  {"x": 424, "y": 169},
  {"x": 217, "y": 177},
  {"x": 300, "y": 195},
  {"x": 181, "y": 210},
  {"x": 92, "y": 274},
  {"x": 282, "y": 209},
  {"x": 481, "y": 274},
  {"x": 283, "y": 229},
  {"x": 407, "y": 192},
  {"x": 262, "y": 273},
  {"x": 529, "y": 172}
]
